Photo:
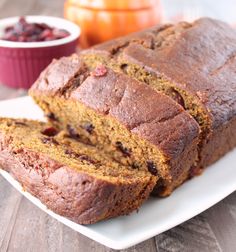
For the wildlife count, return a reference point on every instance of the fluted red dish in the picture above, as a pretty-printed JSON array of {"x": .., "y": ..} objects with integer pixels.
[{"x": 22, "y": 62}]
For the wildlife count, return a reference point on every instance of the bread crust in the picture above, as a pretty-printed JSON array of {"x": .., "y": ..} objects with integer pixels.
[
  {"x": 207, "y": 50},
  {"x": 78, "y": 196}
]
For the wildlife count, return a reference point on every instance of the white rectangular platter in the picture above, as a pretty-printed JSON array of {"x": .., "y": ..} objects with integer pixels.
[{"x": 156, "y": 215}]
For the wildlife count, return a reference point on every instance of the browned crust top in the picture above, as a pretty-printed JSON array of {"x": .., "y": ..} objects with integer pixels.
[
  {"x": 199, "y": 58},
  {"x": 61, "y": 75}
]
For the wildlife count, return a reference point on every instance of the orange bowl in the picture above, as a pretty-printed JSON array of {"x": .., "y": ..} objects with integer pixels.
[
  {"x": 114, "y": 5},
  {"x": 98, "y": 25}
]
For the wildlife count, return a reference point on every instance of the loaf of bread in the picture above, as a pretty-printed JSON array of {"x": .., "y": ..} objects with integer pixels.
[
  {"x": 141, "y": 113},
  {"x": 135, "y": 125},
  {"x": 194, "y": 63},
  {"x": 71, "y": 178},
  {"x": 135, "y": 115}
]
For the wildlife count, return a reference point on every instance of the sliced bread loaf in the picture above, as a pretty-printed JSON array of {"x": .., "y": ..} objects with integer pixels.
[
  {"x": 73, "y": 179},
  {"x": 134, "y": 124}
]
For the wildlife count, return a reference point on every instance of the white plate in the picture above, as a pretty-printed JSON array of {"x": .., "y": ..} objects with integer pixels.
[{"x": 156, "y": 215}]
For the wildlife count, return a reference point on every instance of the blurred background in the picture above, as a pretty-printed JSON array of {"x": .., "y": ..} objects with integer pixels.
[
  {"x": 101, "y": 20},
  {"x": 110, "y": 18}
]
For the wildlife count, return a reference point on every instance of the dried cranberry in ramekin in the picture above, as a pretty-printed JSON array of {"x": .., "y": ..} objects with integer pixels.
[
  {"x": 22, "y": 62},
  {"x": 24, "y": 31}
]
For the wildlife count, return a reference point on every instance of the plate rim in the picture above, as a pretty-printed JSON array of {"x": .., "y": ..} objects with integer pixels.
[{"x": 94, "y": 235}]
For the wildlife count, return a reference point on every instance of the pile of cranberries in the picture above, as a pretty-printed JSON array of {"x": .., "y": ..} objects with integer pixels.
[{"x": 23, "y": 31}]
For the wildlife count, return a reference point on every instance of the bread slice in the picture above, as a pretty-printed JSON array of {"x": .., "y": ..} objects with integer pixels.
[
  {"x": 73, "y": 179},
  {"x": 131, "y": 122},
  {"x": 194, "y": 63}
]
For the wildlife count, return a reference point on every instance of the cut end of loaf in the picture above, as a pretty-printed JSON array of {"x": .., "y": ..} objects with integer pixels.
[{"x": 71, "y": 178}]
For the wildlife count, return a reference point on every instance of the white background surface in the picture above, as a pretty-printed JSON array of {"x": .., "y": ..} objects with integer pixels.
[{"x": 189, "y": 10}]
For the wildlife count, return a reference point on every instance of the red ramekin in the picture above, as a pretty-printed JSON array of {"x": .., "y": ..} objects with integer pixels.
[{"x": 22, "y": 62}]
